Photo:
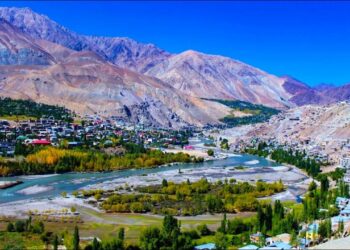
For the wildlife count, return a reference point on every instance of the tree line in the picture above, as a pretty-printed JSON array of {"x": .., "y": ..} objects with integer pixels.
[
  {"x": 57, "y": 160},
  {"x": 12, "y": 107}
]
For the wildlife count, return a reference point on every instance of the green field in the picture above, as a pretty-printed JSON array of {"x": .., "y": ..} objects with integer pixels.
[
  {"x": 17, "y": 117},
  {"x": 105, "y": 226}
]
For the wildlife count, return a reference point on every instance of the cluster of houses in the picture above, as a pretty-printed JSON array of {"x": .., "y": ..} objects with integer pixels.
[
  {"x": 345, "y": 164},
  {"x": 91, "y": 131},
  {"x": 273, "y": 143},
  {"x": 310, "y": 232}
]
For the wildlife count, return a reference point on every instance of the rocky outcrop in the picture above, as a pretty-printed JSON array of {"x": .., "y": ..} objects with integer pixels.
[{"x": 18, "y": 49}]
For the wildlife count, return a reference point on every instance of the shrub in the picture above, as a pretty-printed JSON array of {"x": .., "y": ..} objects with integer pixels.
[{"x": 204, "y": 230}]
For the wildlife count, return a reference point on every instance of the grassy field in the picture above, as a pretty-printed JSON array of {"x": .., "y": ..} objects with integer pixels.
[
  {"x": 19, "y": 241},
  {"x": 17, "y": 118},
  {"x": 105, "y": 226}
]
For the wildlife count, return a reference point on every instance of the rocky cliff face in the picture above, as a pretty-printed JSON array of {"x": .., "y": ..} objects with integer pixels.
[{"x": 18, "y": 49}]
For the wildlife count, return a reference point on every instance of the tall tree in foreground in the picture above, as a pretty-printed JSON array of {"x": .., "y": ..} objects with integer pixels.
[
  {"x": 150, "y": 239},
  {"x": 76, "y": 238},
  {"x": 55, "y": 242}
]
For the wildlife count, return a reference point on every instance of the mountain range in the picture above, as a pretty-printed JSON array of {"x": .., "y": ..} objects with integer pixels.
[{"x": 46, "y": 62}]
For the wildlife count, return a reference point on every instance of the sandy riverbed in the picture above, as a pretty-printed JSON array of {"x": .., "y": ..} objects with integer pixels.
[
  {"x": 20, "y": 209},
  {"x": 295, "y": 180},
  {"x": 36, "y": 189}
]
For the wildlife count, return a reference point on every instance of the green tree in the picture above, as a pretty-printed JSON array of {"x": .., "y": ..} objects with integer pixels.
[
  {"x": 20, "y": 226},
  {"x": 96, "y": 245},
  {"x": 10, "y": 227},
  {"x": 150, "y": 239},
  {"x": 210, "y": 152},
  {"x": 55, "y": 242},
  {"x": 76, "y": 239},
  {"x": 121, "y": 234},
  {"x": 221, "y": 241},
  {"x": 38, "y": 227},
  {"x": 203, "y": 230},
  {"x": 322, "y": 230},
  {"x": 341, "y": 227},
  {"x": 170, "y": 230},
  {"x": 164, "y": 183},
  {"x": 223, "y": 226},
  {"x": 29, "y": 223}
]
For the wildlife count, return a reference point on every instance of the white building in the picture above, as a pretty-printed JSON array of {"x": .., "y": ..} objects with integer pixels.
[{"x": 345, "y": 162}]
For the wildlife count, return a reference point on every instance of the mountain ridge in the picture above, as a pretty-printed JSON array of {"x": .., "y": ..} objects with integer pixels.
[{"x": 160, "y": 86}]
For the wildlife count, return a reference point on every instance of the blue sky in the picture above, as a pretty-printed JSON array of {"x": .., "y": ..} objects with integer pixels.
[{"x": 308, "y": 40}]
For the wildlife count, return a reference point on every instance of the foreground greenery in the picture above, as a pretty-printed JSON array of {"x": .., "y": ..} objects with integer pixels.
[
  {"x": 26, "y": 108},
  {"x": 255, "y": 113},
  {"x": 186, "y": 198}
]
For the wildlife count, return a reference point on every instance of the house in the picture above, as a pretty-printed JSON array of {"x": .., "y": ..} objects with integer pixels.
[
  {"x": 345, "y": 212},
  {"x": 341, "y": 201},
  {"x": 257, "y": 237},
  {"x": 249, "y": 247},
  {"x": 304, "y": 243},
  {"x": 282, "y": 245},
  {"x": 277, "y": 246},
  {"x": 344, "y": 162},
  {"x": 188, "y": 147},
  {"x": 40, "y": 142},
  {"x": 285, "y": 238},
  {"x": 312, "y": 232},
  {"x": 337, "y": 219},
  {"x": 73, "y": 144},
  {"x": 207, "y": 246}
]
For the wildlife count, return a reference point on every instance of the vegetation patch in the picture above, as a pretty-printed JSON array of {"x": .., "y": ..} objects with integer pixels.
[
  {"x": 186, "y": 198},
  {"x": 22, "y": 109},
  {"x": 258, "y": 113},
  {"x": 57, "y": 160}
]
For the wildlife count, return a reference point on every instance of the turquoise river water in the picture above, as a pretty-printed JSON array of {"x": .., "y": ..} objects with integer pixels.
[{"x": 69, "y": 182}]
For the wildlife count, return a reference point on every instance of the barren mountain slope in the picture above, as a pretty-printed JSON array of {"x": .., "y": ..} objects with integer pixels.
[
  {"x": 85, "y": 83},
  {"x": 191, "y": 72},
  {"x": 326, "y": 127},
  {"x": 220, "y": 77}
]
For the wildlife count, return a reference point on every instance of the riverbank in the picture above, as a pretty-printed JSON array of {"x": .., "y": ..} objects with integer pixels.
[
  {"x": 60, "y": 207},
  {"x": 294, "y": 179},
  {"x": 9, "y": 184}
]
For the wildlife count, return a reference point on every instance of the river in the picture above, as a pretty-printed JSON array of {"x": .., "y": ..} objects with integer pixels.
[{"x": 50, "y": 186}]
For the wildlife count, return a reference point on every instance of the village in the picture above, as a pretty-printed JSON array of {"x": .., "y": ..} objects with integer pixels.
[
  {"x": 95, "y": 132},
  {"x": 92, "y": 131}
]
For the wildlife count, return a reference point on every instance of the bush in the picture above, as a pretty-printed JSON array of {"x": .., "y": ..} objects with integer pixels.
[
  {"x": 10, "y": 227},
  {"x": 38, "y": 227},
  {"x": 204, "y": 230},
  {"x": 20, "y": 226},
  {"x": 210, "y": 152},
  {"x": 193, "y": 234}
]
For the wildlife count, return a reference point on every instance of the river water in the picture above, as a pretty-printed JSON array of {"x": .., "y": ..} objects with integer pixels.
[{"x": 53, "y": 185}]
